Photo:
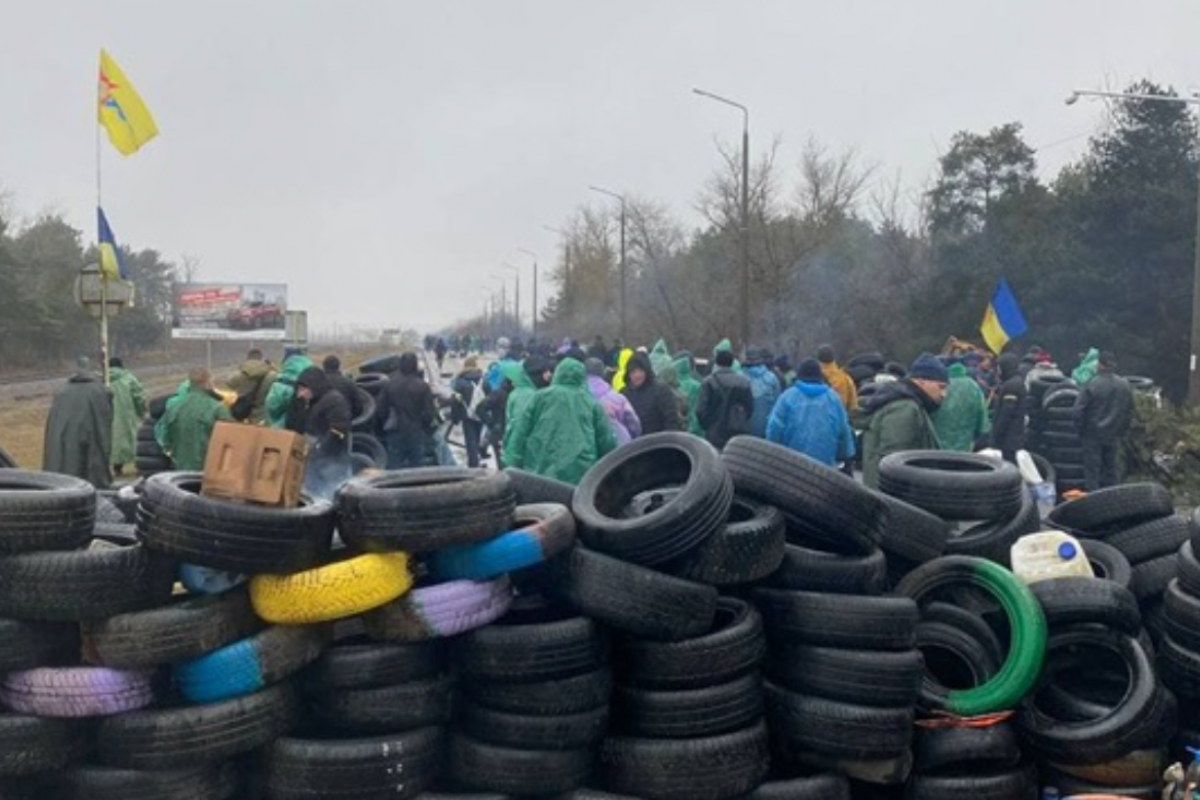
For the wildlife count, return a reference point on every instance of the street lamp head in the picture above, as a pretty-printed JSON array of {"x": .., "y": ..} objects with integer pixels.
[{"x": 1072, "y": 98}]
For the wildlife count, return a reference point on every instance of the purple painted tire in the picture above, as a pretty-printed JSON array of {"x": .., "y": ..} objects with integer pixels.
[
  {"x": 76, "y": 691},
  {"x": 445, "y": 609}
]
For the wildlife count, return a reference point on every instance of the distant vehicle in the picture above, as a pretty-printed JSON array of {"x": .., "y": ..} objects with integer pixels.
[{"x": 255, "y": 315}]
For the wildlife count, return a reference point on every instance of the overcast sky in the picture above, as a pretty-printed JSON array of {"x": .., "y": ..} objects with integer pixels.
[{"x": 382, "y": 158}]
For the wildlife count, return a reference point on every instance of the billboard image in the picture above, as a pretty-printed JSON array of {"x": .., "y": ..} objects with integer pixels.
[{"x": 229, "y": 311}]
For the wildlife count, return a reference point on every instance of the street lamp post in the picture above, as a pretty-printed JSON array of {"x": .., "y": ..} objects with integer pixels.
[
  {"x": 533, "y": 323},
  {"x": 503, "y": 296},
  {"x": 624, "y": 318},
  {"x": 1193, "y": 395},
  {"x": 566, "y": 293},
  {"x": 744, "y": 296},
  {"x": 516, "y": 293}
]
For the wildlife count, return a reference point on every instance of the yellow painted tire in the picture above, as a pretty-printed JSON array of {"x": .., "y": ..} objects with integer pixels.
[{"x": 333, "y": 591}]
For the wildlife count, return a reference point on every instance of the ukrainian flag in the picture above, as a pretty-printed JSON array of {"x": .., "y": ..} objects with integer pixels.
[
  {"x": 1002, "y": 321},
  {"x": 112, "y": 266},
  {"x": 120, "y": 109}
]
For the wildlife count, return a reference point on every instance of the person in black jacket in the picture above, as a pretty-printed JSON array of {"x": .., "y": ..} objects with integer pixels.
[
  {"x": 469, "y": 395},
  {"x": 655, "y": 403},
  {"x": 1103, "y": 411},
  {"x": 1008, "y": 408},
  {"x": 409, "y": 415},
  {"x": 726, "y": 402},
  {"x": 327, "y": 427},
  {"x": 333, "y": 371}
]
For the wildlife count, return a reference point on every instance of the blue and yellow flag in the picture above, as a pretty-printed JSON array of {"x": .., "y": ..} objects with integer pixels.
[
  {"x": 1002, "y": 321},
  {"x": 121, "y": 111},
  {"x": 112, "y": 266}
]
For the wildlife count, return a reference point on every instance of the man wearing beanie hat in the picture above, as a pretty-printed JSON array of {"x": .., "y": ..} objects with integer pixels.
[
  {"x": 836, "y": 377},
  {"x": 469, "y": 394},
  {"x": 898, "y": 415},
  {"x": 809, "y": 418}
]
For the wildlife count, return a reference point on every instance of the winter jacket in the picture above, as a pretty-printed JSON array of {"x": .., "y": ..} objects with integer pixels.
[
  {"x": 1104, "y": 408},
  {"x": 129, "y": 406},
  {"x": 1008, "y": 407},
  {"x": 407, "y": 408},
  {"x": 962, "y": 418},
  {"x": 809, "y": 418},
  {"x": 724, "y": 406},
  {"x": 79, "y": 431},
  {"x": 465, "y": 385},
  {"x": 283, "y": 389},
  {"x": 348, "y": 390},
  {"x": 563, "y": 431},
  {"x": 842, "y": 385},
  {"x": 624, "y": 420},
  {"x": 691, "y": 390},
  {"x": 765, "y": 388},
  {"x": 897, "y": 419},
  {"x": 519, "y": 397},
  {"x": 654, "y": 401},
  {"x": 187, "y": 427},
  {"x": 328, "y": 416},
  {"x": 254, "y": 375},
  {"x": 1087, "y": 368}
]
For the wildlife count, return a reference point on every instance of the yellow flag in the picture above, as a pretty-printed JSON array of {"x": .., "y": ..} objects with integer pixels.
[{"x": 121, "y": 111}]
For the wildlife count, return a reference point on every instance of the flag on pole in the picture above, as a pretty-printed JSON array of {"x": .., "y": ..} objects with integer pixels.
[
  {"x": 121, "y": 111},
  {"x": 1003, "y": 320},
  {"x": 112, "y": 266}
]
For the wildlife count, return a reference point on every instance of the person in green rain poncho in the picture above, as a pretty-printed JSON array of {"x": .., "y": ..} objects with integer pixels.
[
  {"x": 690, "y": 388},
  {"x": 129, "y": 406},
  {"x": 1087, "y": 368},
  {"x": 279, "y": 399},
  {"x": 962, "y": 419}
]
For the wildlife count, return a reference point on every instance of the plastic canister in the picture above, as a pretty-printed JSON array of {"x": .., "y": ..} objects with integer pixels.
[{"x": 1049, "y": 554}]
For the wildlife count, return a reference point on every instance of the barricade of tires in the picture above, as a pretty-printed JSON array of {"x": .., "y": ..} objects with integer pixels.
[{"x": 683, "y": 625}]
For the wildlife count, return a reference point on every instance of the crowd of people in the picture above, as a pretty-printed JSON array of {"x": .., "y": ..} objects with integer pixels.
[
  {"x": 555, "y": 413},
  {"x": 541, "y": 413}
]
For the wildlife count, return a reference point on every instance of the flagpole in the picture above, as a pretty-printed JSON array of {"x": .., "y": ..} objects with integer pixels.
[{"x": 103, "y": 274}]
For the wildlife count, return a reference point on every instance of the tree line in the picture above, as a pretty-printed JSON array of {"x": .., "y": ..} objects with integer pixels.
[
  {"x": 1099, "y": 255},
  {"x": 41, "y": 325}
]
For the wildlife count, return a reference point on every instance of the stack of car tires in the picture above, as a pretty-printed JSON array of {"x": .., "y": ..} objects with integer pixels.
[{"x": 149, "y": 458}]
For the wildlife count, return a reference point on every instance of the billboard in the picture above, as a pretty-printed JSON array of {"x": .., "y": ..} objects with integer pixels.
[{"x": 229, "y": 311}]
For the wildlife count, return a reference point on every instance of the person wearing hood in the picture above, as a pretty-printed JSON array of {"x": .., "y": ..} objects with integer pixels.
[
  {"x": 326, "y": 425},
  {"x": 1103, "y": 413},
  {"x": 686, "y": 370},
  {"x": 283, "y": 389},
  {"x": 519, "y": 396},
  {"x": 563, "y": 431},
  {"x": 727, "y": 346},
  {"x": 764, "y": 386},
  {"x": 79, "y": 428},
  {"x": 654, "y": 401},
  {"x": 898, "y": 415},
  {"x": 624, "y": 420},
  {"x": 406, "y": 406},
  {"x": 1008, "y": 408},
  {"x": 837, "y": 378},
  {"x": 188, "y": 422},
  {"x": 253, "y": 379},
  {"x": 725, "y": 403},
  {"x": 809, "y": 418},
  {"x": 1087, "y": 367},
  {"x": 332, "y": 366},
  {"x": 962, "y": 419},
  {"x": 469, "y": 395},
  {"x": 129, "y": 407}
]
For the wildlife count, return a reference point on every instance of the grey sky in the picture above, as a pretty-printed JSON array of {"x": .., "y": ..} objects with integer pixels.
[{"x": 383, "y": 157}]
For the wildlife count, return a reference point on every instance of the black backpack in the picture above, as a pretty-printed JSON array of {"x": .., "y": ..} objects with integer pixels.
[{"x": 244, "y": 405}]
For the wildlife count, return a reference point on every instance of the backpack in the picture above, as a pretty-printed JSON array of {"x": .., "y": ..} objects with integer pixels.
[
  {"x": 475, "y": 400},
  {"x": 244, "y": 405}
]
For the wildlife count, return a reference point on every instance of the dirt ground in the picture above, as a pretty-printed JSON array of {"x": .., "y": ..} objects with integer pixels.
[{"x": 23, "y": 416}]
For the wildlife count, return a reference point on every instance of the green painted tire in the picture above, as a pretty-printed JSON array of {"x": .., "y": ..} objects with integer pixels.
[{"x": 1023, "y": 664}]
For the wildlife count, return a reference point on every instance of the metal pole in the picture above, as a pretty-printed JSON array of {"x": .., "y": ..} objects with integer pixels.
[
  {"x": 104, "y": 327},
  {"x": 744, "y": 298},
  {"x": 1193, "y": 396},
  {"x": 535, "y": 305},
  {"x": 517, "y": 302},
  {"x": 624, "y": 326}
]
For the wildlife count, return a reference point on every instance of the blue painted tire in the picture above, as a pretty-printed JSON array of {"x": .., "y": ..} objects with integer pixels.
[
  {"x": 248, "y": 665},
  {"x": 545, "y": 530},
  {"x": 206, "y": 580}
]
